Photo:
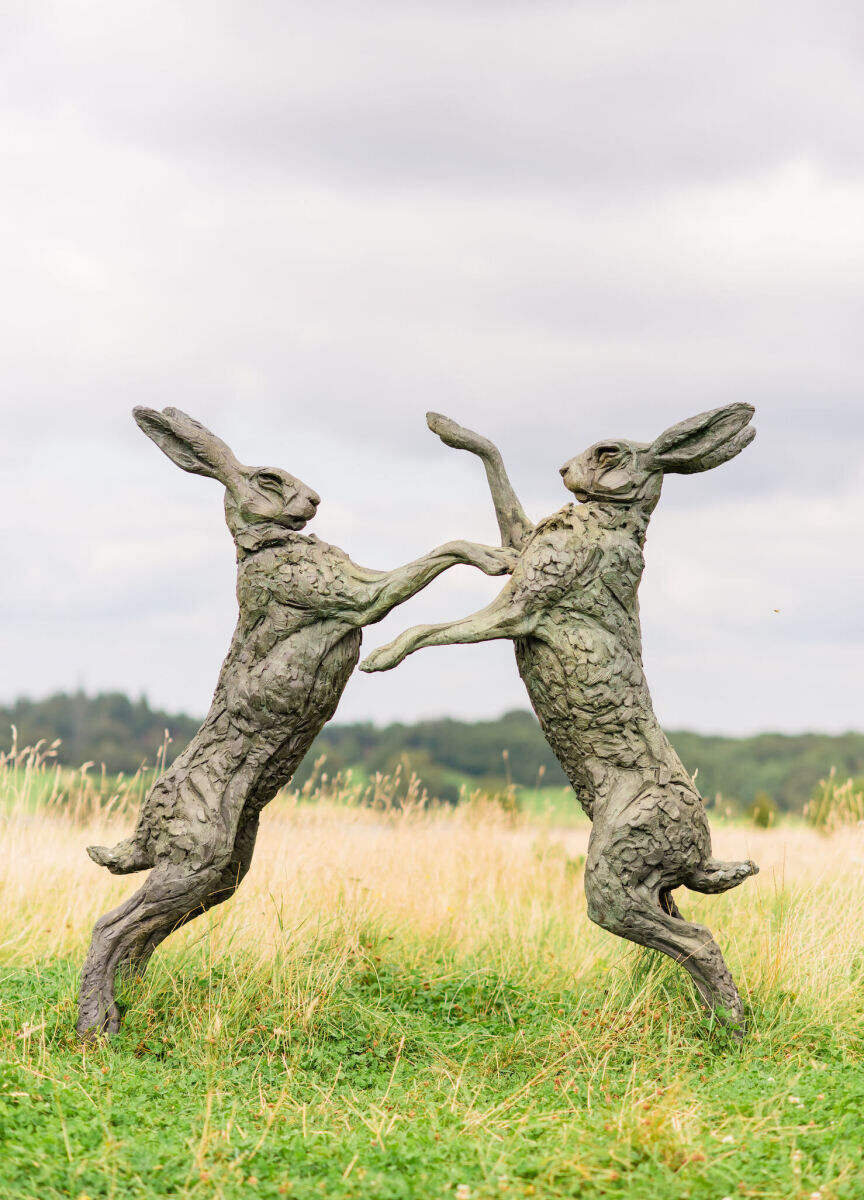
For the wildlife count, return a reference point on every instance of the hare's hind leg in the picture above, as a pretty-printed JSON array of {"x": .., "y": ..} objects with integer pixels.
[
  {"x": 652, "y": 920},
  {"x": 125, "y": 938},
  {"x": 717, "y": 877}
]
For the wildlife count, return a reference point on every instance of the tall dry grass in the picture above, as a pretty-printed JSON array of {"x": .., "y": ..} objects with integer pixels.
[
  {"x": 403, "y": 998},
  {"x": 837, "y": 805},
  {"x": 475, "y": 884}
]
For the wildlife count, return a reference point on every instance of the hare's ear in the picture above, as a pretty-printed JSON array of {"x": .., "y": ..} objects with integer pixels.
[
  {"x": 188, "y": 444},
  {"x": 705, "y": 441}
]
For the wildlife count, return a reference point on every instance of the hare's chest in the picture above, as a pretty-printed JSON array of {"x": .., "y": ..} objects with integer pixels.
[
  {"x": 577, "y": 566},
  {"x": 291, "y": 657},
  {"x": 549, "y": 570},
  {"x": 605, "y": 589},
  {"x": 620, "y": 569},
  {"x": 284, "y": 592}
]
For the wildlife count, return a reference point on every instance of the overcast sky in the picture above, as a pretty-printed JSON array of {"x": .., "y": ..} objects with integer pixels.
[{"x": 307, "y": 223}]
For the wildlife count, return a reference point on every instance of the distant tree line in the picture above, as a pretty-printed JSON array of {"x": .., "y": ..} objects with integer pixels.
[
  {"x": 108, "y": 728},
  {"x": 123, "y": 733},
  {"x": 444, "y": 753}
]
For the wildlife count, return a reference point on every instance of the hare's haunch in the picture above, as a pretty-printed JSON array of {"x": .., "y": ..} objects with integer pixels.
[
  {"x": 302, "y": 606},
  {"x": 571, "y": 608}
]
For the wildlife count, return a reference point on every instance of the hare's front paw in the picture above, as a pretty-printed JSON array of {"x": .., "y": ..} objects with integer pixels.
[
  {"x": 382, "y": 659},
  {"x": 448, "y": 431},
  {"x": 499, "y": 562},
  {"x": 491, "y": 560}
]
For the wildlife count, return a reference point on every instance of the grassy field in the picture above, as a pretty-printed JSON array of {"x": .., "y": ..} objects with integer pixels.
[{"x": 413, "y": 1004}]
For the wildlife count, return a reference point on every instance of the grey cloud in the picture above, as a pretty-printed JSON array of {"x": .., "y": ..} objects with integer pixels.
[
  {"x": 307, "y": 224},
  {"x": 591, "y": 94}
]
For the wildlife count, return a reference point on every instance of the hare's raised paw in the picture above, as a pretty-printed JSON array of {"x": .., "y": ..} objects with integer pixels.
[
  {"x": 491, "y": 560},
  {"x": 382, "y": 659},
  {"x": 123, "y": 859},
  {"x": 446, "y": 429},
  {"x": 455, "y": 435}
]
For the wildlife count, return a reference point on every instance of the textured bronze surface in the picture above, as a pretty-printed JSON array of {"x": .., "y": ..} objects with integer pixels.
[
  {"x": 571, "y": 608},
  {"x": 302, "y": 606}
]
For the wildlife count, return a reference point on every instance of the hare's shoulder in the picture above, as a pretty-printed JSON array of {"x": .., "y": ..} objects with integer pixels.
[
  {"x": 565, "y": 520},
  {"x": 300, "y": 571},
  {"x": 560, "y": 539},
  {"x": 557, "y": 553}
]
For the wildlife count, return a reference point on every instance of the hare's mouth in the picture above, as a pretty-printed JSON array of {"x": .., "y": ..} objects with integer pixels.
[{"x": 296, "y": 520}]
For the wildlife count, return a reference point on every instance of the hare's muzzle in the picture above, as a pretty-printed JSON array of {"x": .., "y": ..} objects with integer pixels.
[
  {"x": 574, "y": 479},
  {"x": 312, "y": 501}
]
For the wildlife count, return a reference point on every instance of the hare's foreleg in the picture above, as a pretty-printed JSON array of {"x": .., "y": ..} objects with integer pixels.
[
  {"x": 501, "y": 619},
  {"x": 378, "y": 592},
  {"x": 125, "y": 938},
  {"x": 512, "y": 522},
  {"x": 640, "y": 915}
]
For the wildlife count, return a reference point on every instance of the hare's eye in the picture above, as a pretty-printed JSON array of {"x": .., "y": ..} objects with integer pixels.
[{"x": 606, "y": 455}]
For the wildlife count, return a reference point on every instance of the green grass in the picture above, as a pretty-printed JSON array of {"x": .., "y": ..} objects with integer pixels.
[
  {"x": 418, "y": 1078},
  {"x": 402, "y": 1002}
]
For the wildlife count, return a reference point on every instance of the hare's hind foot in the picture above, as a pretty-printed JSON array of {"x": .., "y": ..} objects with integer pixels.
[
  {"x": 651, "y": 919},
  {"x": 717, "y": 877},
  {"x": 99, "y": 1014},
  {"x": 123, "y": 859}
]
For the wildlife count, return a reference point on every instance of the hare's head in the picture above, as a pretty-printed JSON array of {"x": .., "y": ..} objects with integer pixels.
[
  {"x": 624, "y": 472},
  {"x": 253, "y": 495}
]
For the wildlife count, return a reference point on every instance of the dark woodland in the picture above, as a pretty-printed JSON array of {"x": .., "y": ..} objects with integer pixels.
[{"x": 123, "y": 734}]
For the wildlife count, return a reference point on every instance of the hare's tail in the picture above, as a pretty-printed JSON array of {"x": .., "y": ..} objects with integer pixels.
[
  {"x": 123, "y": 859},
  {"x": 716, "y": 877}
]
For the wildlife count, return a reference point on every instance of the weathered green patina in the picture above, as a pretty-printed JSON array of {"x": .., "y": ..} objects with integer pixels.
[
  {"x": 572, "y": 610},
  {"x": 302, "y": 604}
]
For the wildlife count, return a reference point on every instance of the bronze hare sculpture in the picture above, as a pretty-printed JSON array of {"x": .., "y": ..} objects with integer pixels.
[
  {"x": 571, "y": 608},
  {"x": 302, "y": 606}
]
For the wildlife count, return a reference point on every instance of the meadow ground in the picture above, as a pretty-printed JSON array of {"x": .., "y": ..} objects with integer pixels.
[{"x": 414, "y": 1004}]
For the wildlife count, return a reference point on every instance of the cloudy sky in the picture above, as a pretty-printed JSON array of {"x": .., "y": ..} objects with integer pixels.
[{"x": 307, "y": 223}]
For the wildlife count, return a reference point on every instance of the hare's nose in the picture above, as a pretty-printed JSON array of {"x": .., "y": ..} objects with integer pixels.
[
  {"x": 314, "y": 499},
  {"x": 563, "y": 470}
]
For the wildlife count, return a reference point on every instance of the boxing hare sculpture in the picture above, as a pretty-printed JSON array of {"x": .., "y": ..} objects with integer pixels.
[
  {"x": 302, "y": 606},
  {"x": 571, "y": 608}
]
